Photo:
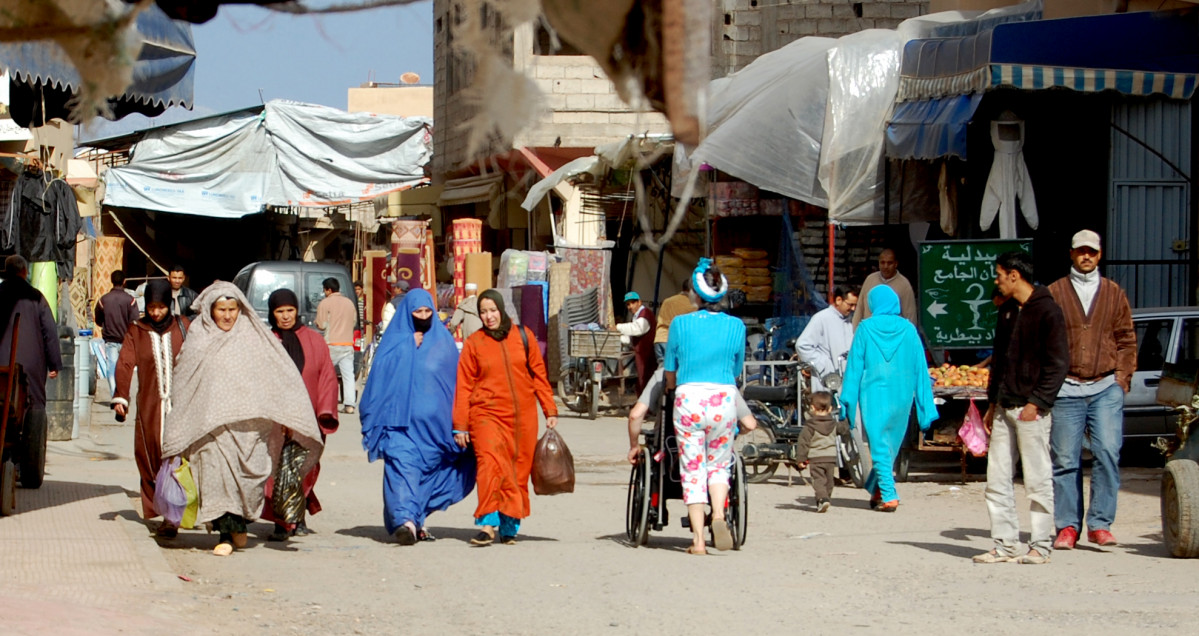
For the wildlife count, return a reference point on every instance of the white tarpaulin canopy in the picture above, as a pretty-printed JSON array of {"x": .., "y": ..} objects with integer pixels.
[
  {"x": 290, "y": 154},
  {"x": 807, "y": 121}
]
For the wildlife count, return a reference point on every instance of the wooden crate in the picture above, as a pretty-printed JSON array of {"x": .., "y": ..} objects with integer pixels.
[{"x": 594, "y": 344}]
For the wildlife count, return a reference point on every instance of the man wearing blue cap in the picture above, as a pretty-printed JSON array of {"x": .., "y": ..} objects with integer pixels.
[{"x": 639, "y": 333}]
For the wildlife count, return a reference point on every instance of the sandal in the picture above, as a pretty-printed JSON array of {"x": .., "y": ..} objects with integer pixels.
[
  {"x": 992, "y": 557},
  {"x": 876, "y": 500},
  {"x": 722, "y": 538},
  {"x": 486, "y": 536},
  {"x": 889, "y": 506},
  {"x": 223, "y": 549},
  {"x": 691, "y": 550},
  {"x": 508, "y": 539},
  {"x": 425, "y": 536},
  {"x": 405, "y": 535},
  {"x": 166, "y": 531},
  {"x": 1033, "y": 558}
]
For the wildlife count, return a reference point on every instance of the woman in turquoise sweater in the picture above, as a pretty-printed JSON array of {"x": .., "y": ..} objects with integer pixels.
[
  {"x": 886, "y": 373},
  {"x": 704, "y": 355}
]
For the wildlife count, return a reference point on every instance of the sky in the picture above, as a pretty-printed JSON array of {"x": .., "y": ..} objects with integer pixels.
[{"x": 309, "y": 58}]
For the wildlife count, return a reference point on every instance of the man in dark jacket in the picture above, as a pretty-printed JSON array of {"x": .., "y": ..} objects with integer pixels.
[
  {"x": 181, "y": 297},
  {"x": 1030, "y": 362},
  {"x": 115, "y": 311}
]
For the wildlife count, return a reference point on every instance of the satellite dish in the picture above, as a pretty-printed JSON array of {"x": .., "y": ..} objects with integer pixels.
[{"x": 410, "y": 78}]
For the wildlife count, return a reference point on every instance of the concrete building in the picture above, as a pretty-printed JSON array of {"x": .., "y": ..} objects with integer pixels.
[
  {"x": 746, "y": 29},
  {"x": 582, "y": 107}
]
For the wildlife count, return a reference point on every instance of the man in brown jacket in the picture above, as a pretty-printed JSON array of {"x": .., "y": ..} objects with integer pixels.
[{"x": 1103, "y": 349}]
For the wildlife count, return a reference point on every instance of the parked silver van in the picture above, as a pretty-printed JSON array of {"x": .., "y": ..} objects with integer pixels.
[{"x": 258, "y": 280}]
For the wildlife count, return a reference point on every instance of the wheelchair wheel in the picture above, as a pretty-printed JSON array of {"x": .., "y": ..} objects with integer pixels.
[
  {"x": 851, "y": 459},
  {"x": 637, "y": 511},
  {"x": 760, "y": 469},
  {"x": 738, "y": 513}
]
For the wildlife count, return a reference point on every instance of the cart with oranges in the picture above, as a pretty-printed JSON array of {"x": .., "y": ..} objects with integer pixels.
[{"x": 955, "y": 390}]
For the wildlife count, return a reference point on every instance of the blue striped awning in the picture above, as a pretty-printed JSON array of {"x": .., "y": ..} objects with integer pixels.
[
  {"x": 1146, "y": 53},
  {"x": 1091, "y": 80}
]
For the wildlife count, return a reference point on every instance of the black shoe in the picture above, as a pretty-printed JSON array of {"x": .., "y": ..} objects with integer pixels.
[
  {"x": 280, "y": 534},
  {"x": 166, "y": 531},
  {"x": 302, "y": 530},
  {"x": 404, "y": 535},
  {"x": 508, "y": 539}
]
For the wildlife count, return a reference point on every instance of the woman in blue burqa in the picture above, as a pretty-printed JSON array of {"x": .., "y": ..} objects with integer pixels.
[
  {"x": 406, "y": 411},
  {"x": 886, "y": 373}
]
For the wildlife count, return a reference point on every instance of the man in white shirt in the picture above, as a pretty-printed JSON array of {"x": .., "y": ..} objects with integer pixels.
[
  {"x": 823, "y": 345},
  {"x": 828, "y": 336},
  {"x": 638, "y": 333},
  {"x": 888, "y": 274}
]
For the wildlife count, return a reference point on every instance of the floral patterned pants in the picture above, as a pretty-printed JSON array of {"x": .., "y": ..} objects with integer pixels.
[{"x": 705, "y": 416}]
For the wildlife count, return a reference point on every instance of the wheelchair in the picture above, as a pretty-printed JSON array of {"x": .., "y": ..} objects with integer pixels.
[{"x": 655, "y": 480}]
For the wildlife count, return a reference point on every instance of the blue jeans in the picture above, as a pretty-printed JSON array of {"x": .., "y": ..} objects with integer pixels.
[
  {"x": 1102, "y": 416},
  {"x": 112, "y": 350},
  {"x": 660, "y": 352}
]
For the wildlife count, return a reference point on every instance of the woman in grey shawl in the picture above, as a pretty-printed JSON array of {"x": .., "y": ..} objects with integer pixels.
[{"x": 236, "y": 396}]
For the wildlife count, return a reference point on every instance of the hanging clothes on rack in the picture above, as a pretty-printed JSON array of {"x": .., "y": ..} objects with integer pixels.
[{"x": 42, "y": 221}]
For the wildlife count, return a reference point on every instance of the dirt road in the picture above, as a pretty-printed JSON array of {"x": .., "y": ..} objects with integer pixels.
[{"x": 572, "y": 572}]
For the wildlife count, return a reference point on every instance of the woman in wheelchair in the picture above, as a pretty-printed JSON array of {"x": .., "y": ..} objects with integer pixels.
[{"x": 704, "y": 352}]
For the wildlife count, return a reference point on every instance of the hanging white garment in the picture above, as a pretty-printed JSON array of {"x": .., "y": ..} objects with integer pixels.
[
  {"x": 948, "y": 197},
  {"x": 1008, "y": 180}
]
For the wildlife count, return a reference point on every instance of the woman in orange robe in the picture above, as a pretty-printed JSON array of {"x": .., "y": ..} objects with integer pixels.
[{"x": 501, "y": 379}]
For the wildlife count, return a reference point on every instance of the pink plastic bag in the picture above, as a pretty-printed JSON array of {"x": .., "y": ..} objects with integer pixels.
[{"x": 972, "y": 433}]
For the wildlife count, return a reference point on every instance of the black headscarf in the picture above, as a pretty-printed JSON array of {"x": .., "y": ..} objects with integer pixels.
[
  {"x": 291, "y": 342},
  {"x": 505, "y": 322},
  {"x": 158, "y": 291}
]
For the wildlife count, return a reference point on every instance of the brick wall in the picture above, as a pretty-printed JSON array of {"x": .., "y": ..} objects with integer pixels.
[
  {"x": 582, "y": 107},
  {"x": 745, "y": 29}
]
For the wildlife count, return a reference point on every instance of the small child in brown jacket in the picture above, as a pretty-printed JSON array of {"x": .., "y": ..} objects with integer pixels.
[{"x": 817, "y": 446}]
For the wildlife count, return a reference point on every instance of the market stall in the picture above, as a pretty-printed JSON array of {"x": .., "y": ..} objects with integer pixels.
[{"x": 957, "y": 319}]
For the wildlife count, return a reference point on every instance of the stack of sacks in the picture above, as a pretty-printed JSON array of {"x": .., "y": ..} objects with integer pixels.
[
  {"x": 759, "y": 283},
  {"x": 733, "y": 269}
]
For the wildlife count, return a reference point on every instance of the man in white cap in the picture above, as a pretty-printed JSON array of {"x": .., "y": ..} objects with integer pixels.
[
  {"x": 639, "y": 333},
  {"x": 1103, "y": 356},
  {"x": 467, "y": 313}
]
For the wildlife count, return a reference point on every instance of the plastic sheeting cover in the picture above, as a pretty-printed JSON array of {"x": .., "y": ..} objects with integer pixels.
[
  {"x": 807, "y": 121},
  {"x": 292, "y": 154},
  {"x": 863, "y": 74},
  {"x": 766, "y": 123}
]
